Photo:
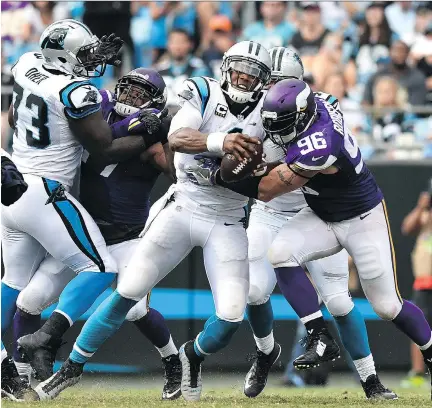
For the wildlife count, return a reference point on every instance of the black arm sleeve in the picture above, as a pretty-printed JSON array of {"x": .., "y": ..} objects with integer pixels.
[{"x": 247, "y": 187}]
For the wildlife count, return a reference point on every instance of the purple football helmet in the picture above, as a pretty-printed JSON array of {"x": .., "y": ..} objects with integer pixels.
[
  {"x": 288, "y": 110},
  {"x": 139, "y": 89}
]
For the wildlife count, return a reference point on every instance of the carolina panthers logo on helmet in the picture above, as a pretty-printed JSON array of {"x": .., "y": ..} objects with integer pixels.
[{"x": 55, "y": 40}]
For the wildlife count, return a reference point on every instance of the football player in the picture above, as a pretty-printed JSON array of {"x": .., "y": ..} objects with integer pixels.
[
  {"x": 117, "y": 196},
  {"x": 266, "y": 220},
  {"x": 55, "y": 112},
  {"x": 13, "y": 187},
  {"x": 214, "y": 118},
  {"x": 346, "y": 208}
]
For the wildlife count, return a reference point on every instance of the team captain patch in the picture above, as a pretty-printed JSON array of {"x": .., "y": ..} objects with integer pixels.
[{"x": 221, "y": 110}]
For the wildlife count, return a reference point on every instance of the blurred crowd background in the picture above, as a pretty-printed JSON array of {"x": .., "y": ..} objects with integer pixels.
[{"x": 375, "y": 57}]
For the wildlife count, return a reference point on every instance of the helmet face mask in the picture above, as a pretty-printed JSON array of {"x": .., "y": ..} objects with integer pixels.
[
  {"x": 245, "y": 71},
  {"x": 139, "y": 89},
  {"x": 90, "y": 64}
]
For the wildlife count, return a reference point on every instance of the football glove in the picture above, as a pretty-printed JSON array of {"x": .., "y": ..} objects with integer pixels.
[
  {"x": 109, "y": 47},
  {"x": 203, "y": 171}
]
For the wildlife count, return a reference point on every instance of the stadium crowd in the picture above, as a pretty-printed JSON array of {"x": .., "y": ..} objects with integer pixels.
[{"x": 375, "y": 57}]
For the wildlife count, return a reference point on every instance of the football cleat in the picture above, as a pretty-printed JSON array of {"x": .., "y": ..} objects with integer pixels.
[
  {"x": 13, "y": 387},
  {"x": 320, "y": 348},
  {"x": 191, "y": 384},
  {"x": 374, "y": 390},
  {"x": 40, "y": 348},
  {"x": 68, "y": 375},
  {"x": 256, "y": 378},
  {"x": 173, "y": 377}
]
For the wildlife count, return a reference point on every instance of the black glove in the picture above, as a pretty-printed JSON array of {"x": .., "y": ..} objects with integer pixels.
[
  {"x": 152, "y": 120},
  {"x": 109, "y": 48},
  {"x": 13, "y": 184}
]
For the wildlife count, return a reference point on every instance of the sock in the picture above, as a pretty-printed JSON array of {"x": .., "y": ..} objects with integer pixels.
[
  {"x": 265, "y": 344},
  {"x": 3, "y": 352},
  {"x": 154, "y": 327},
  {"x": 24, "y": 323},
  {"x": 81, "y": 292},
  {"x": 168, "y": 350},
  {"x": 216, "y": 335},
  {"x": 412, "y": 322},
  {"x": 100, "y": 326},
  {"x": 24, "y": 369},
  {"x": 353, "y": 333},
  {"x": 260, "y": 318},
  {"x": 57, "y": 324},
  {"x": 365, "y": 367},
  {"x": 301, "y": 295},
  {"x": 8, "y": 306}
]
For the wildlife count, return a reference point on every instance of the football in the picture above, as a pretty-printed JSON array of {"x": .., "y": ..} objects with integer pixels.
[{"x": 233, "y": 170}]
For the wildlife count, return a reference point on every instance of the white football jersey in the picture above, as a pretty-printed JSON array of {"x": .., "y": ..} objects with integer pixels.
[
  {"x": 203, "y": 98},
  {"x": 43, "y": 99}
]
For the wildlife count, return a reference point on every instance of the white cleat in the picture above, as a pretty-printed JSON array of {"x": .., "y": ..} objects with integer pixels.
[
  {"x": 191, "y": 384},
  {"x": 69, "y": 374}
]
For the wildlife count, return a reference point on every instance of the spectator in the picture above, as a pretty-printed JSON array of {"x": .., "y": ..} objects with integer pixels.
[
  {"x": 179, "y": 63},
  {"x": 419, "y": 223},
  {"x": 220, "y": 41},
  {"x": 330, "y": 60},
  {"x": 410, "y": 78},
  {"x": 417, "y": 38},
  {"x": 385, "y": 124},
  {"x": 425, "y": 66},
  {"x": 40, "y": 16},
  {"x": 401, "y": 17},
  {"x": 335, "y": 85},
  {"x": 273, "y": 30},
  {"x": 307, "y": 41},
  {"x": 374, "y": 43}
]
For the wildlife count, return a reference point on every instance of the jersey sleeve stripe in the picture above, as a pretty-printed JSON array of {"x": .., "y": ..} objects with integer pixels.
[
  {"x": 83, "y": 112},
  {"x": 330, "y": 160},
  {"x": 65, "y": 93},
  {"x": 203, "y": 90}
]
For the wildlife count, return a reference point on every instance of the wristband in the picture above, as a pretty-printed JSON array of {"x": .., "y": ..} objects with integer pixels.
[{"x": 215, "y": 142}]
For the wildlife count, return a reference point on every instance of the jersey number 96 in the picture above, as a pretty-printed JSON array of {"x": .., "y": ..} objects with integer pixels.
[{"x": 37, "y": 110}]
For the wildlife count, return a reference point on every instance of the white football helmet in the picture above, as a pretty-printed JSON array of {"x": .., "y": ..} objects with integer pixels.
[
  {"x": 286, "y": 64},
  {"x": 250, "y": 58},
  {"x": 70, "y": 46}
]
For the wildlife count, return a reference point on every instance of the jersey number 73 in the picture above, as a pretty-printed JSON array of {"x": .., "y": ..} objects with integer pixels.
[{"x": 39, "y": 117}]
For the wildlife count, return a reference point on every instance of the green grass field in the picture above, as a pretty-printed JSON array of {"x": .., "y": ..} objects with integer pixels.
[{"x": 97, "y": 397}]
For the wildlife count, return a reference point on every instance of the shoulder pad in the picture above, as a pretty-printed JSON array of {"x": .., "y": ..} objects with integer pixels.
[
  {"x": 315, "y": 151},
  {"x": 197, "y": 91},
  {"x": 332, "y": 100},
  {"x": 77, "y": 95},
  {"x": 80, "y": 99}
]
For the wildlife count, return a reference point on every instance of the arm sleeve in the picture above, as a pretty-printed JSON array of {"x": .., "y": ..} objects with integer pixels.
[{"x": 80, "y": 99}]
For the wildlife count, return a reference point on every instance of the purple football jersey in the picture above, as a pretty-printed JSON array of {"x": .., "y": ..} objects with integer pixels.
[
  {"x": 118, "y": 193},
  {"x": 328, "y": 142}
]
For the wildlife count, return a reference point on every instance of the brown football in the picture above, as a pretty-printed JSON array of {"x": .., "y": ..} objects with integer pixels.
[{"x": 233, "y": 170}]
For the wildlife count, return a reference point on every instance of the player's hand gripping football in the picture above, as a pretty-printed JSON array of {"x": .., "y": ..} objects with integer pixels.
[
  {"x": 109, "y": 47},
  {"x": 240, "y": 146}
]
